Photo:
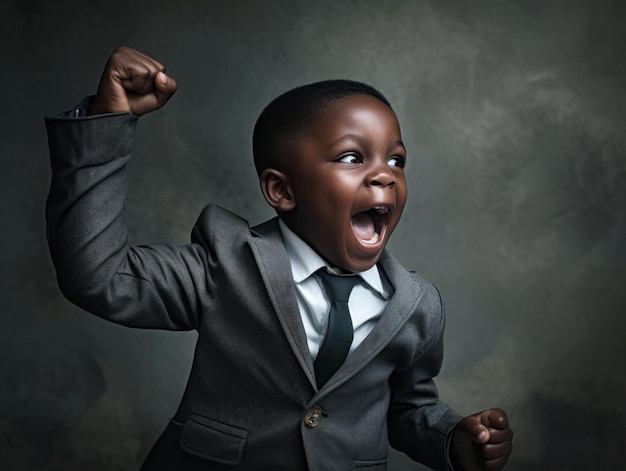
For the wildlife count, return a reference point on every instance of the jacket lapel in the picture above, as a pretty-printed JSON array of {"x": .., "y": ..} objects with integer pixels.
[{"x": 273, "y": 262}]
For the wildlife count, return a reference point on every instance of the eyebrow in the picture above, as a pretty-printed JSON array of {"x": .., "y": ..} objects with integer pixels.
[{"x": 360, "y": 139}]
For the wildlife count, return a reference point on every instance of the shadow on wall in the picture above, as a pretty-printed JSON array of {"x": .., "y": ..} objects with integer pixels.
[{"x": 569, "y": 433}]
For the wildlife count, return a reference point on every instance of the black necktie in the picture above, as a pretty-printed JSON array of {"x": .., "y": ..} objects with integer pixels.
[{"x": 336, "y": 345}]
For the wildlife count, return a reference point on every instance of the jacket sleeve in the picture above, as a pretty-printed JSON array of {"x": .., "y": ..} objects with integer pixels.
[
  {"x": 157, "y": 286},
  {"x": 419, "y": 423}
]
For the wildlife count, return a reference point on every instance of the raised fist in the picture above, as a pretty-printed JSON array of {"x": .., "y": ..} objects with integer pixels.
[{"x": 132, "y": 83}]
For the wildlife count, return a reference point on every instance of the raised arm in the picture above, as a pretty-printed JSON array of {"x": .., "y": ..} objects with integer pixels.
[{"x": 157, "y": 286}]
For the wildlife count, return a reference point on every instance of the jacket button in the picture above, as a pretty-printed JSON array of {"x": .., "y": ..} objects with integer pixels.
[{"x": 313, "y": 417}]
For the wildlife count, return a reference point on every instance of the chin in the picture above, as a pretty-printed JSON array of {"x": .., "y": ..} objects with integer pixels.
[{"x": 358, "y": 265}]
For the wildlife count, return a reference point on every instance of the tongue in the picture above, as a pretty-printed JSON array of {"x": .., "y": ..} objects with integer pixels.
[{"x": 363, "y": 225}]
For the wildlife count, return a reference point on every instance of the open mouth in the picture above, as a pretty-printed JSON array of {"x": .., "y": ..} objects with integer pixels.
[{"x": 370, "y": 226}]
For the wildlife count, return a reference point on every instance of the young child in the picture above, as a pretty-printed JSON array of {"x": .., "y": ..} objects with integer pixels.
[{"x": 279, "y": 381}]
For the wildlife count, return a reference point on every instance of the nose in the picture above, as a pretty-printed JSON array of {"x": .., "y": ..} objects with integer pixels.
[{"x": 381, "y": 175}]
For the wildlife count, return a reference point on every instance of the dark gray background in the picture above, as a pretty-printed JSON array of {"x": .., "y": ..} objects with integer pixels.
[{"x": 513, "y": 114}]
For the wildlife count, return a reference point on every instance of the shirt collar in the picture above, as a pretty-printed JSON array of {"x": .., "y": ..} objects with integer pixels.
[{"x": 305, "y": 261}]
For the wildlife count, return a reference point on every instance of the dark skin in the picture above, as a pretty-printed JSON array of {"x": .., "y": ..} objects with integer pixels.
[{"x": 348, "y": 174}]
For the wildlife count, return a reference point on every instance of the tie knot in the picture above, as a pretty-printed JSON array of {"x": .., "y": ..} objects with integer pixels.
[{"x": 338, "y": 287}]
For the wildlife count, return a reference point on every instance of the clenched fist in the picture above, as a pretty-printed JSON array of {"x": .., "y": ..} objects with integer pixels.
[
  {"x": 483, "y": 441},
  {"x": 132, "y": 83}
]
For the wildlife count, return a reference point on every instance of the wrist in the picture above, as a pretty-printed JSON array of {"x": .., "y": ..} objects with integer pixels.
[{"x": 453, "y": 459}]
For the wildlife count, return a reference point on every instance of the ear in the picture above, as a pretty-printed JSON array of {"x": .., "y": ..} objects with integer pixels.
[{"x": 277, "y": 190}]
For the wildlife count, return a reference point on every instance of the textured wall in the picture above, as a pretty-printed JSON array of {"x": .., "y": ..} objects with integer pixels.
[{"x": 513, "y": 114}]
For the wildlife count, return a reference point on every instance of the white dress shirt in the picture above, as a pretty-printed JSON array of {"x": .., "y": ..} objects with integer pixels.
[{"x": 367, "y": 301}]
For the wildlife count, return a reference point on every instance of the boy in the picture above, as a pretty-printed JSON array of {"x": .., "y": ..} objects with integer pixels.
[{"x": 279, "y": 380}]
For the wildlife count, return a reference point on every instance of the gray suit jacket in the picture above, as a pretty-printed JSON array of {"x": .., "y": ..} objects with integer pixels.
[{"x": 251, "y": 402}]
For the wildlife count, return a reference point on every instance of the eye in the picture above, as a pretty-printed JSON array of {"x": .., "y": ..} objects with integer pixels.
[
  {"x": 350, "y": 159},
  {"x": 397, "y": 161}
]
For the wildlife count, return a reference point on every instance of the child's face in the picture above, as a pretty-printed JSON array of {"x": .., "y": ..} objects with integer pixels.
[{"x": 347, "y": 179}]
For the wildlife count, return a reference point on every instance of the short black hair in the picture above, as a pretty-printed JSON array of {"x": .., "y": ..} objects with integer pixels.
[{"x": 291, "y": 112}]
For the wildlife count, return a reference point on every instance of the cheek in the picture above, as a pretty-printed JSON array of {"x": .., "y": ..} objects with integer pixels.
[
  {"x": 402, "y": 191},
  {"x": 401, "y": 197},
  {"x": 336, "y": 197},
  {"x": 402, "y": 200}
]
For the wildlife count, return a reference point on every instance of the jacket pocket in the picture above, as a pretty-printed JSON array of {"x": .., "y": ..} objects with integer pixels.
[
  {"x": 376, "y": 465},
  {"x": 212, "y": 440}
]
